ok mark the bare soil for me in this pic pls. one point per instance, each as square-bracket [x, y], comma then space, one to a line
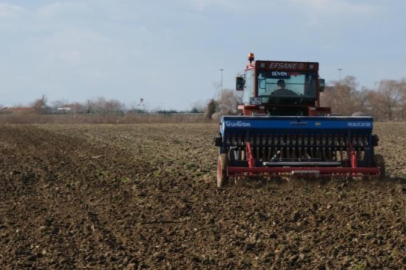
[143, 196]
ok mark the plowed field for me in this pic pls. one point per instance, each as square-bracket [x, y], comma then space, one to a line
[143, 196]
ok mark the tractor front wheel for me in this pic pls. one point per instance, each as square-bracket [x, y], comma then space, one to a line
[222, 177]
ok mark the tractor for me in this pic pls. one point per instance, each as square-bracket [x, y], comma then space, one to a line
[282, 130]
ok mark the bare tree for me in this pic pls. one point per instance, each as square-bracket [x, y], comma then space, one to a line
[104, 106]
[402, 109]
[361, 99]
[39, 105]
[211, 108]
[343, 97]
[387, 100]
[228, 101]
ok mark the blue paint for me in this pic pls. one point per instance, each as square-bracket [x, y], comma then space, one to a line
[293, 125]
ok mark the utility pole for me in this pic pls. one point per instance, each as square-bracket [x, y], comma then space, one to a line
[221, 70]
[339, 74]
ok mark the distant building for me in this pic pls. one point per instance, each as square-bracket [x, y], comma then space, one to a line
[17, 110]
[70, 108]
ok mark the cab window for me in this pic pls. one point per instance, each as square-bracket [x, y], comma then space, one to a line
[249, 87]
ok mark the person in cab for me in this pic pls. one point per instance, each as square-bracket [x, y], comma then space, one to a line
[282, 91]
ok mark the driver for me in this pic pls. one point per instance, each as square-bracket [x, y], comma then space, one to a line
[281, 91]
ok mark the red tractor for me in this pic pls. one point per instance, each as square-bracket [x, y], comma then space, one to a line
[283, 130]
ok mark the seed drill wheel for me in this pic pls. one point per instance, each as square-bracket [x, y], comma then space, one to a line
[222, 178]
[380, 162]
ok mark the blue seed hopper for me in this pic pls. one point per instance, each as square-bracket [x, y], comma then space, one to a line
[290, 145]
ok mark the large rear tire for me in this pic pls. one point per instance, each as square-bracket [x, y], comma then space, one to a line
[222, 177]
[379, 161]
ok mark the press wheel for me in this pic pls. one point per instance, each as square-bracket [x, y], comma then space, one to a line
[222, 177]
[379, 161]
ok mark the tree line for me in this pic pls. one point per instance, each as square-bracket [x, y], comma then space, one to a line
[385, 102]
[96, 106]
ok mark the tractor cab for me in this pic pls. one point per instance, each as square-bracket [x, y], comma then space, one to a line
[281, 88]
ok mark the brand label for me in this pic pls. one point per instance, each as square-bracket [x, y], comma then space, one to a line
[287, 66]
[279, 74]
[359, 124]
[237, 124]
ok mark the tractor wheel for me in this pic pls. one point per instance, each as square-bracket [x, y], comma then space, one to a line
[222, 178]
[379, 161]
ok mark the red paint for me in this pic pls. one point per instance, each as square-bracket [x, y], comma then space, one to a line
[287, 66]
[324, 171]
[250, 157]
[353, 158]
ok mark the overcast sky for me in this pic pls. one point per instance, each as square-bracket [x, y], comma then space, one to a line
[169, 52]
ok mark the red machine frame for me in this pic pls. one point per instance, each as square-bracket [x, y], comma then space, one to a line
[352, 171]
